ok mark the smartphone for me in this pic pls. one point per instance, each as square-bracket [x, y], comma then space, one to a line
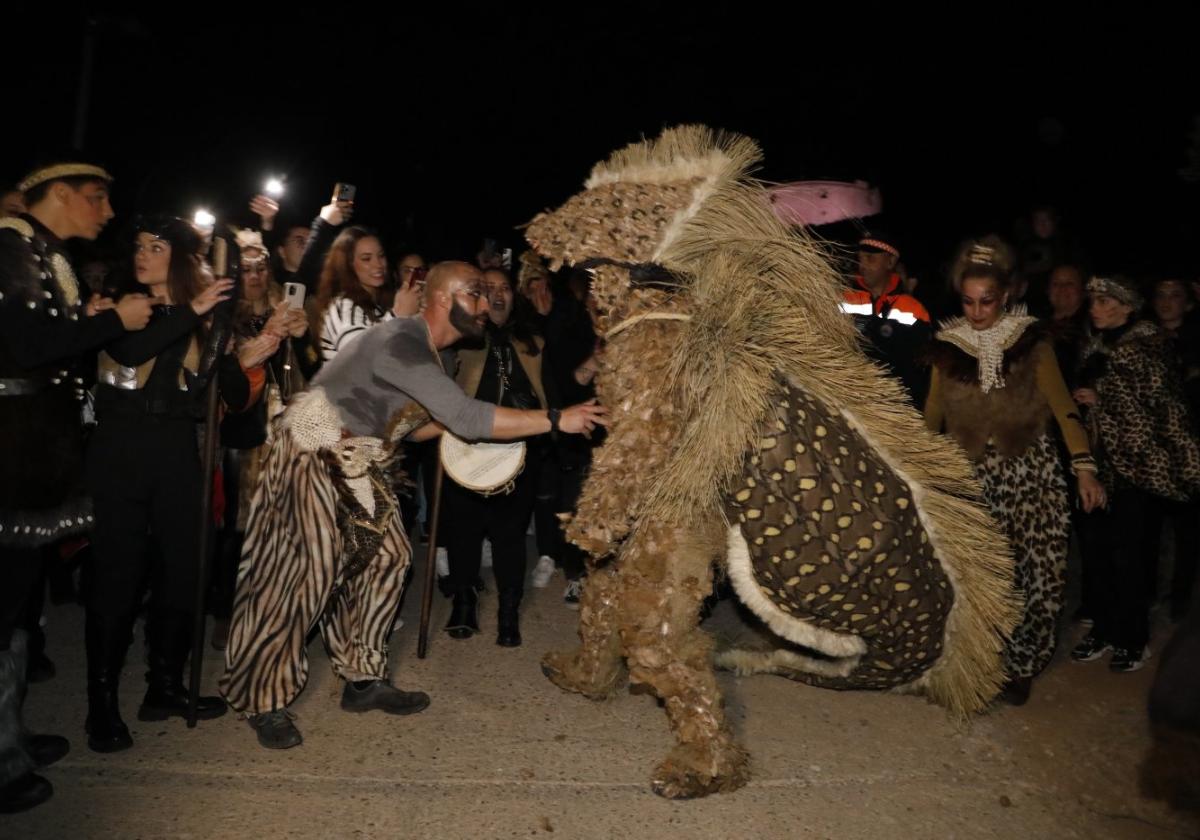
[293, 293]
[506, 259]
[344, 192]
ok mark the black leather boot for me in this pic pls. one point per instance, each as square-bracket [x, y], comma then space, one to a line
[508, 621]
[168, 641]
[464, 619]
[106, 640]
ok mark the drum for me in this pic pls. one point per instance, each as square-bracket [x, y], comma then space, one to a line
[487, 467]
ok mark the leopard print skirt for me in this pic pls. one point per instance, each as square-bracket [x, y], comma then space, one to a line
[1028, 496]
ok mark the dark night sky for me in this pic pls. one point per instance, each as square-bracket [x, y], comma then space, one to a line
[469, 124]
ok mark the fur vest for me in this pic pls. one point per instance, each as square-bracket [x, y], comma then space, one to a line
[1012, 417]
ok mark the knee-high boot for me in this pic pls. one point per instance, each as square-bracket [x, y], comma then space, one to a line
[168, 641]
[106, 639]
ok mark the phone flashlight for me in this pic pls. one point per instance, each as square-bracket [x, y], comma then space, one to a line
[274, 187]
[204, 219]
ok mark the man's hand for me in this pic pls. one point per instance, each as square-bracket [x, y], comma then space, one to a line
[1085, 396]
[96, 304]
[134, 311]
[266, 208]
[337, 213]
[581, 419]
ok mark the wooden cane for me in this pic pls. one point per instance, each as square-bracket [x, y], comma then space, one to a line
[430, 563]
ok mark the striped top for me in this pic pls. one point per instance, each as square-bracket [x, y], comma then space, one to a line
[344, 322]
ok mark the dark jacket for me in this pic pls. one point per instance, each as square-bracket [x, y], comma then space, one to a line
[46, 339]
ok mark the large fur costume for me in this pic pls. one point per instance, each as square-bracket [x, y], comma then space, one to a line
[749, 428]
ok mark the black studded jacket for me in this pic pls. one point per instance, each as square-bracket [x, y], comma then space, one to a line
[45, 335]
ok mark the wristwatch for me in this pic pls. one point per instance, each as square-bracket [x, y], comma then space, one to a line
[554, 414]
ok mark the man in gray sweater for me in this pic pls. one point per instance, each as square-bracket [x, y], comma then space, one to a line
[325, 545]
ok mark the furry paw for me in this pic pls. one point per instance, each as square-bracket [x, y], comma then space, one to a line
[570, 672]
[690, 771]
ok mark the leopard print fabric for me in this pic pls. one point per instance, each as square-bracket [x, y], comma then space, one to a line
[1141, 423]
[1028, 496]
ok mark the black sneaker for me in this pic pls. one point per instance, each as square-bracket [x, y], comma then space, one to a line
[378, 695]
[1090, 649]
[1125, 660]
[276, 730]
[573, 593]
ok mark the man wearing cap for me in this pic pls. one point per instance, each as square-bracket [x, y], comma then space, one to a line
[46, 327]
[894, 323]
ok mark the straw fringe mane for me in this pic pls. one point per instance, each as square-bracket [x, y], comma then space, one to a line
[764, 299]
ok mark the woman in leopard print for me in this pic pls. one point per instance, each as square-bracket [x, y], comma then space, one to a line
[1146, 449]
[995, 387]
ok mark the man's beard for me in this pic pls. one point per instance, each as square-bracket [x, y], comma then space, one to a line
[464, 322]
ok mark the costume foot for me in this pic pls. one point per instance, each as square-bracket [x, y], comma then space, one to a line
[691, 771]
[1016, 691]
[567, 671]
[382, 696]
[276, 730]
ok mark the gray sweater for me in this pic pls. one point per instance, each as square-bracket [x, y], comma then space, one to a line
[391, 365]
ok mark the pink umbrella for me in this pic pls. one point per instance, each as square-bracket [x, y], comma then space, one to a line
[823, 202]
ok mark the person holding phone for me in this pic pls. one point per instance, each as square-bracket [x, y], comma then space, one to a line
[143, 473]
[264, 306]
[355, 291]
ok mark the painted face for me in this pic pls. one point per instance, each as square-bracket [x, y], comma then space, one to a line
[499, 296]
[1065, 291]
[982, 302]
[370, 262]
[87, 208]
[151, 259]
[1171, 302]
[469, 307]
[1107, 312]
[254, 275]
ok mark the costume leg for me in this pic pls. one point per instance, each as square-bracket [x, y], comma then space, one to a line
[289, 563]
[357, 627]
[668, 576]
[595, 669]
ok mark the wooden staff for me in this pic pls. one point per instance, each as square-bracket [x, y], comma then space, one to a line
[430, 563]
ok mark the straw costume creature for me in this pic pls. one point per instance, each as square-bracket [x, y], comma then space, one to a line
[751, 434]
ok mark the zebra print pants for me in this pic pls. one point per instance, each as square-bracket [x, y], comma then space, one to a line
[290, 567]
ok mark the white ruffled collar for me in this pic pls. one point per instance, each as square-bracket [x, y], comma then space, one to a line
[988, 346]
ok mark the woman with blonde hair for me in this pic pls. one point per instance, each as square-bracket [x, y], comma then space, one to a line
[995, 389]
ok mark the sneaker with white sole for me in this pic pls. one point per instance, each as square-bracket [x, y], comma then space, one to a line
[542, 572]
[1126, 660]
[572, 594]
[1090, 649]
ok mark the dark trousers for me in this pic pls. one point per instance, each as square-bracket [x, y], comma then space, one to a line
[1113, 554]
[144, 478]
[570, 485]
[545, 508]
[1184, 518]
[21, 572]
[468, 517]
[223, 583]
